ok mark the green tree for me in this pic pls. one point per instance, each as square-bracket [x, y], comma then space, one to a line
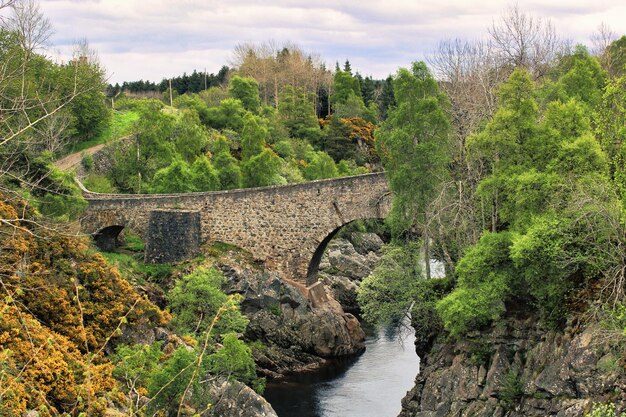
[414, 145]
[252, 137]
[344, 86]
[190, 137]
[176, 178]
[91, 115]
[297, 112]
[204, 175]
[195, 301]
[246, 90]
[195, 103]
[233, 360]
[485, 277]
[228, 115]
[385, 296]
[322, 166]
[262, 170]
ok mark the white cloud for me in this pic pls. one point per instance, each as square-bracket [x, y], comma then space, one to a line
[160, 38]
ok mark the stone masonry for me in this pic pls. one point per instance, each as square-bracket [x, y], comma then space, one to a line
[285, 227]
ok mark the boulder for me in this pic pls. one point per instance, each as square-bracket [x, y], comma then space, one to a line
[234, 399]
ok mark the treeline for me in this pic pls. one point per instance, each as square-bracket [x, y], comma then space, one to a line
[192, 83]
[273, 67]
[509, 169]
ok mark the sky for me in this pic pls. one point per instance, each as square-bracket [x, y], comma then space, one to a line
[156, 39]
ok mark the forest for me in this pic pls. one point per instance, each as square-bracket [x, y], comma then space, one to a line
[505, 156]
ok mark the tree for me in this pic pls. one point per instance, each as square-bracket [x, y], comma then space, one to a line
[321, 167]
[246, 90]
[413, 144]
[195, 301]
[176, 178]
[297, 112]
[204, 175]
[523, 41]
[262, 170]
[91, 115]
[252, 137]
[190, 138]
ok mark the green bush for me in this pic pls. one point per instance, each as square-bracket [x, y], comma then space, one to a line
[485, 278]
[387, 293]
[512, 389]
[196, 299]
[602, 410]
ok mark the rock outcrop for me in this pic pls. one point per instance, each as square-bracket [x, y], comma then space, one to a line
[234, 399]
[517, 370]
[345, 263]
[294, 336]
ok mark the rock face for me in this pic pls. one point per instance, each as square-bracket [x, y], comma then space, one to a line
[517, 371]
[234, 399]
[294, 335]
[345, 263]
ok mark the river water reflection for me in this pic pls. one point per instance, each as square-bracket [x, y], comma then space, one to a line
[371, 385]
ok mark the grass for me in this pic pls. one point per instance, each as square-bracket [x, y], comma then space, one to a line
[130, 266]
[121, 125]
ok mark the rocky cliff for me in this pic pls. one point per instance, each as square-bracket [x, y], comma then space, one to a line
[518, 369]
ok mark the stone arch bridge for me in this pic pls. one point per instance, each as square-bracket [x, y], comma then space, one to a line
[285, 227]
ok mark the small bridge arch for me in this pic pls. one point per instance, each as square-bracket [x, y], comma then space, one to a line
[286, 227]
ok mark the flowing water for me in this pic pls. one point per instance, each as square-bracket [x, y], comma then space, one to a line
[370, 385]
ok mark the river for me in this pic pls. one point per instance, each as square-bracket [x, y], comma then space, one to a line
[370, 385]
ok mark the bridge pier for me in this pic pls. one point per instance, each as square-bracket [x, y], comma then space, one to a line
[173, 235]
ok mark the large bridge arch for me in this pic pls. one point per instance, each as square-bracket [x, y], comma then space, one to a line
[282, 226]
[320, 248]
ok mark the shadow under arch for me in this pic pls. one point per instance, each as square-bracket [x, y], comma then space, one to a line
[106, 239]
[311, 275]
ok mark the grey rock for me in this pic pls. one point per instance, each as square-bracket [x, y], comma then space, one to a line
[234, 399]
[364, 243]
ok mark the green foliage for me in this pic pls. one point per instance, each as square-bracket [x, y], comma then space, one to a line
[61, 198]
[176, 178]
[322, 166]
[296, 110]
[246, 90]
[512, 389]
[345, 88]
[195, 301]
[99, 184]
[233, 360]
[582, 79]
[610, 121]
[134, 364]
[387, 293]
[204, 175]
[413, 144]
[91, 115]
[262, 170]
[252, 137]
[86, 161]
[168, 382]
[602, 410]
[190, 138]
[230, 176]
[194, 103]
[228, 115]
[485, 277]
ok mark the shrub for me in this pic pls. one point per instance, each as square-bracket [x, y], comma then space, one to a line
[485, 277]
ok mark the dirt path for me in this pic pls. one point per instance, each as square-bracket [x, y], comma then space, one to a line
[70, 161]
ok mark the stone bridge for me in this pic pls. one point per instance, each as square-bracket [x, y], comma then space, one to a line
[285, 227]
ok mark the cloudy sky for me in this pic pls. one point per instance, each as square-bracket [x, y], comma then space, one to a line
[154, 39]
